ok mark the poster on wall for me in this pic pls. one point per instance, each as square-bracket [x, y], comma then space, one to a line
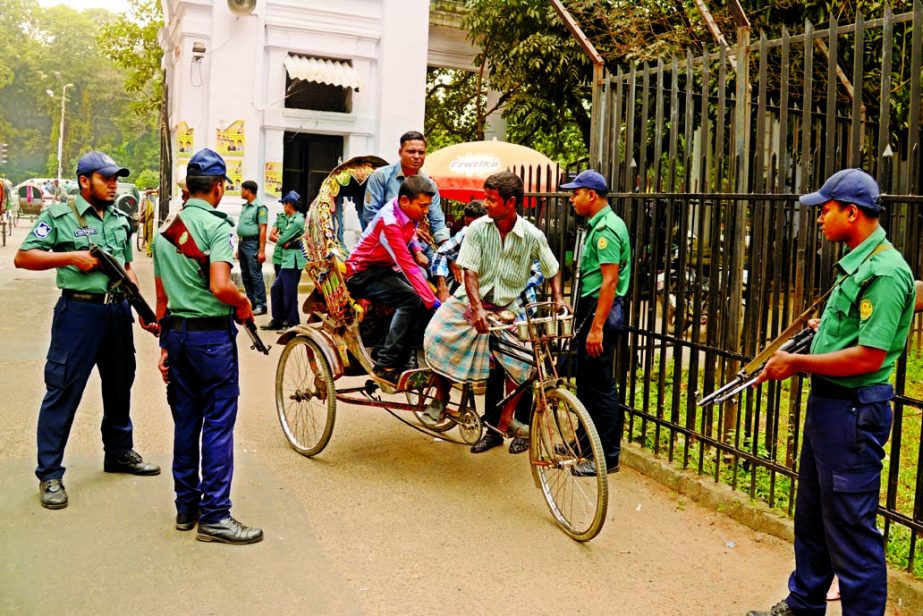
[272, 180]
[184, 141]
[231, 140]
[236, 173]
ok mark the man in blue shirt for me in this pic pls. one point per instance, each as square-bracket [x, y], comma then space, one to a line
[384, 183]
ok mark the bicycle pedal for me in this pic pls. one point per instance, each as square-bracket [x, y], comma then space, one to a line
[371, 387]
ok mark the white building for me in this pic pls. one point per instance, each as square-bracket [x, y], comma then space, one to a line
[311, 82]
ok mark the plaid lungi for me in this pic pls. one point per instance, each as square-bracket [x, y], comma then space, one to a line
[458, 352]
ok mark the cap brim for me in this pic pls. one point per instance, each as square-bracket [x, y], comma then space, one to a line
[227, 179]
[120, 172]
[571, 186]
[814, 198]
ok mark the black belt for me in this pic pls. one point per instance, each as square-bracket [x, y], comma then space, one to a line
[826, 389]
[245, 239]
[92, 298]
[199, 324]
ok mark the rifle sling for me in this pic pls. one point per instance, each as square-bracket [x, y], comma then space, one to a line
[763, 356]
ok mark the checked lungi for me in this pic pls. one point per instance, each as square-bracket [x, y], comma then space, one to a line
[458, 352]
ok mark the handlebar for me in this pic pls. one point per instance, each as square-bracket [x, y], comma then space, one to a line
[506, 319]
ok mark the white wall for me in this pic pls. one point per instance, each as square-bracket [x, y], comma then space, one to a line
[242, 77]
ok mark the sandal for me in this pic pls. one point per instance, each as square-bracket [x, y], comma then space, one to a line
[517, 429]
[433, 414]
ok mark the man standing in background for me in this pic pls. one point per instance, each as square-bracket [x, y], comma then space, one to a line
[251, 248]
[384, 183]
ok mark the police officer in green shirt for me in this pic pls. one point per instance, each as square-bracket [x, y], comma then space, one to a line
[198, 304]
[251, 247]
[605, 269]
[284, 290]
[91, 327]
[278, 226]
[862, 332]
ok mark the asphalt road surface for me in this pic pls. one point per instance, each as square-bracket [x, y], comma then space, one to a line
[385, 521]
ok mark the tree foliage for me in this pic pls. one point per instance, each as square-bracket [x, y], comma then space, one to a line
[545, 78]
[44, 49]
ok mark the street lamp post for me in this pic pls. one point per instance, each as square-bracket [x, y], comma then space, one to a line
[61, 128]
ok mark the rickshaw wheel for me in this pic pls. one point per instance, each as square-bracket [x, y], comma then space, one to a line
[305, 396]
[563, 436]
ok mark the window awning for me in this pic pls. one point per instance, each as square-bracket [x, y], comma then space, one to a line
[320, 70]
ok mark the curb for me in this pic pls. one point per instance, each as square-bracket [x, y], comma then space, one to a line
[905, 592]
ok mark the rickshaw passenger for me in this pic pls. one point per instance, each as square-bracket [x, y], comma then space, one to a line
[382, 269]
[496, 256]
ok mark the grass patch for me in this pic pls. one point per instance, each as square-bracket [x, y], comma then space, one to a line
[766, 425]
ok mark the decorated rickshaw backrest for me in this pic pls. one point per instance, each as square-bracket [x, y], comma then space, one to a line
[325, 255]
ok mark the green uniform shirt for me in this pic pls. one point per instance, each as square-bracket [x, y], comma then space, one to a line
[292, 258]
[58, 230]
[606, 242]
[252, 215]
[280, 224]
[504, 266]
[183, 280]
[872, 306]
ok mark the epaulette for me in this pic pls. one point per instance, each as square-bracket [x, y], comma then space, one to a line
[58, 210]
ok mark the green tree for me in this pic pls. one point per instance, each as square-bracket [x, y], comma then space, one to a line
[130, 41]
[542, 74]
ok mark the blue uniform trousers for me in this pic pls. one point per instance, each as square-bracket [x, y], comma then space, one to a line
[284, 292]
[202, 393]
[596, 386]
[84, 335]
[385, 286]
[251, 271]
[837, 502]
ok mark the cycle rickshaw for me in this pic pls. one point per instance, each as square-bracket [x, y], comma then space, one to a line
[335, 343]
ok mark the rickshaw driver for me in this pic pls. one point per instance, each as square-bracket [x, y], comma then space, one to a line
[381, 269]
[496, 257]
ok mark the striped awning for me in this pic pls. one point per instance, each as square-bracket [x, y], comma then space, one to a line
[320, 70]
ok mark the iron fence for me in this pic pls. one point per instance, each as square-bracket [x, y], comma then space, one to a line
[706, 157]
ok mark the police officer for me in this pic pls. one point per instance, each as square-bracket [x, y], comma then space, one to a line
[251, 249]
[605, 269]
[91, 327]
[278, 226]
[284, 290]
[861, 334]
[199, 353]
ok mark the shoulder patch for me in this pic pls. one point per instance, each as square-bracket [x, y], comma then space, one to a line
[865, 309]
[602, 243]
[41, 230]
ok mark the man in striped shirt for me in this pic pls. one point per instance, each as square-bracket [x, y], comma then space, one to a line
[496, 257]
[382, 269]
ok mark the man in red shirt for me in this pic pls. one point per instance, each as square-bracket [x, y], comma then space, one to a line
[382, 269]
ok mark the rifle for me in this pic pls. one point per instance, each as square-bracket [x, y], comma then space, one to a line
[795, 339]
[120, 283]
[174, 230]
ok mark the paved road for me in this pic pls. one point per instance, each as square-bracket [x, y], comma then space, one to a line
[385, 521]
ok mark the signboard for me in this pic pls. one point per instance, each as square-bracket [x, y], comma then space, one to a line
[272, 180]
[236, 173]
[185, 141]
[231, 141]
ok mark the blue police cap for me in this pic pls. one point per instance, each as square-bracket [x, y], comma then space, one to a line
[206, 163]
[848, 186]
[100, 163]
[588, 179]
[291, 197]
